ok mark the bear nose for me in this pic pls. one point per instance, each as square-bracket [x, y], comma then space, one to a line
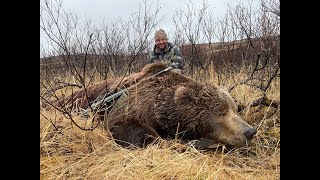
[250, 133]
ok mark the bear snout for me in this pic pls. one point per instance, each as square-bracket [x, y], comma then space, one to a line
[250, 133]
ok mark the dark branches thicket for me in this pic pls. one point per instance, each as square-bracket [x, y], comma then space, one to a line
[76, 53]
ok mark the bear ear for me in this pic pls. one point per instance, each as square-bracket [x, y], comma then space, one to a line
[182, 94]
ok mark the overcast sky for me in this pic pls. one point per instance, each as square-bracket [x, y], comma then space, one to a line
[123, 8]
[108, 10]
[99, 9]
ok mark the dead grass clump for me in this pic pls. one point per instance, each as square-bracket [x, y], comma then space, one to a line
[70, 153]
[66, 152]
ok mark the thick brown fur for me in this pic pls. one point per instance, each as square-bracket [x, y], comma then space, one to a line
[79, 99]
[169, 105]
[173, 105]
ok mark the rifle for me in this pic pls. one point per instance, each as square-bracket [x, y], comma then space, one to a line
[117, 94]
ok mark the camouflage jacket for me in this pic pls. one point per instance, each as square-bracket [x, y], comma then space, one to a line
[171, 55]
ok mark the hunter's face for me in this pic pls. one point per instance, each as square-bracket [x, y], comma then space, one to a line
[161, 43]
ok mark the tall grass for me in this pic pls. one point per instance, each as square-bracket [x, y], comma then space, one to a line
[66, 152]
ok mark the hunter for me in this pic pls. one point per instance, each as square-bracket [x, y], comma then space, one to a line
[166, 51]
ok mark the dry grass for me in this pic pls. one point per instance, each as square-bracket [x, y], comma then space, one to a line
[70, 153]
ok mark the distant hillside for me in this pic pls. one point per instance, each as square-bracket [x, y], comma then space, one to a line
[219, 49]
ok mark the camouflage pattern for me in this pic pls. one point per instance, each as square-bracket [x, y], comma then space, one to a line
[171, 55]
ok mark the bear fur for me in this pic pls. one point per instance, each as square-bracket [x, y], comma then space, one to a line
[172, 105]
[82, 99]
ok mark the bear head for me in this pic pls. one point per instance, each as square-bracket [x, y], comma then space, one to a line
[214, 115]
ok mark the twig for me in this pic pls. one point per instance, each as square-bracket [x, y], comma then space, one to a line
[68, 116]
[51, 122]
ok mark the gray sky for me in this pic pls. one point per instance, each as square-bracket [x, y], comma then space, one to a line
[97, 10]
[108, 10]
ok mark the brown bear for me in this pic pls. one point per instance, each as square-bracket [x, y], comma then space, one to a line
[83, 98]
[172, 105]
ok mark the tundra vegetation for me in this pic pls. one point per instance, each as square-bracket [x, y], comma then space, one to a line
[239, 52]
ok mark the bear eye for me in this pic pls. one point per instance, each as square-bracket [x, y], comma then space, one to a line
[219, 107]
